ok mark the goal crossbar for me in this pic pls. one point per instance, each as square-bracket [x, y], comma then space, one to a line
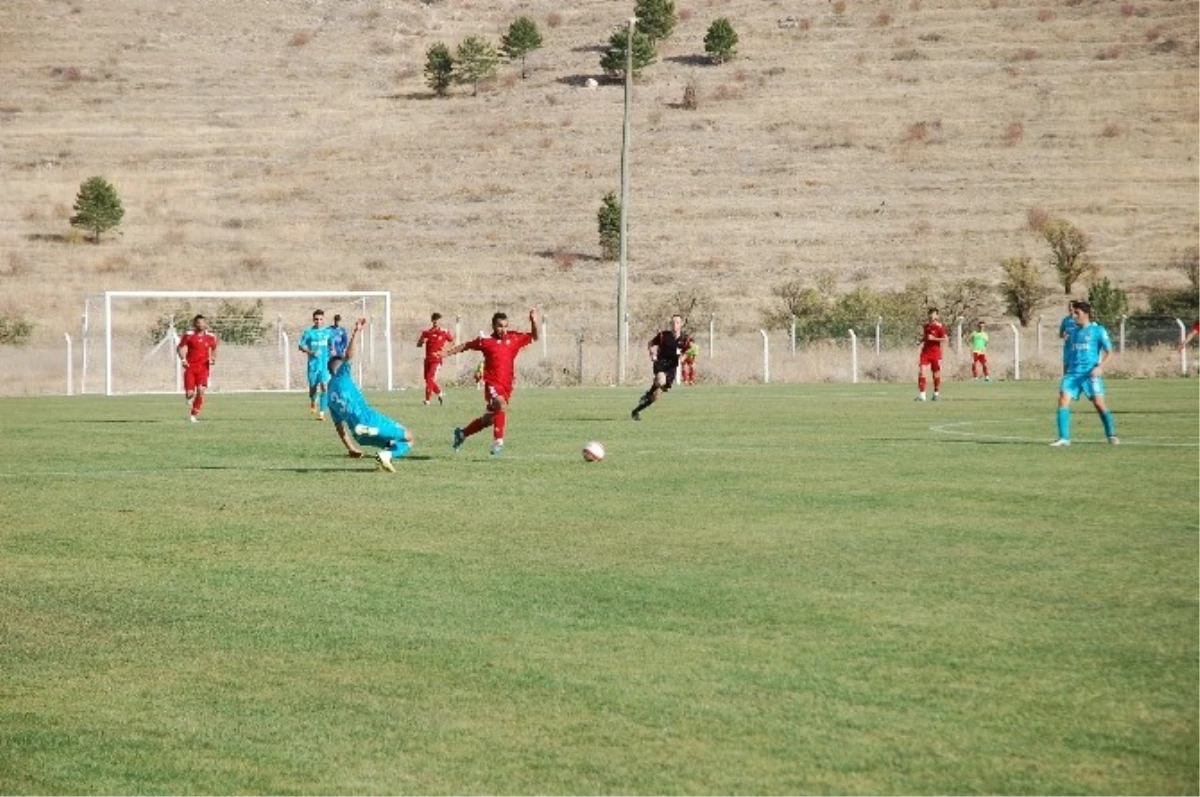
[386, 296]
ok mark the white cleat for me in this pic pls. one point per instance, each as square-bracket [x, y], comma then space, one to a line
[1114, 441]
[383, 461]
[920, 397]
[193, 419]
[497, 449]
[1060, 443]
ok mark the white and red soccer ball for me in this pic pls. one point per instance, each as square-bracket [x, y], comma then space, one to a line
[593, 451]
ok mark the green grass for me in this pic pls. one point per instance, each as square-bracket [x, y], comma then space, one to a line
[803, 589]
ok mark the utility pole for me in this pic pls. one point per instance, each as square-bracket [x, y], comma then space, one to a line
[623, 268]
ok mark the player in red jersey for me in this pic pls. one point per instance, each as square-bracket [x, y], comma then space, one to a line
[197, 352]
[434, 340]
[500, 350]
[932, 337]
[1193, 332]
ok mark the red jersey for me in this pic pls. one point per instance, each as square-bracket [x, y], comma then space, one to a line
[499, 355]
[434, 340]
[933, 329]
[201, 347]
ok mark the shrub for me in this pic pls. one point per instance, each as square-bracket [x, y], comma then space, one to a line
[1022, 289]
[14, 330]
[691, 96]
[720, 42]
[439, 69]
[609, 222]
[1014, 133]
[240, 324]
[1068, 252]
[475, 60]
[1108, 302]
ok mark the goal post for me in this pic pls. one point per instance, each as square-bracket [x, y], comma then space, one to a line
[258, 332]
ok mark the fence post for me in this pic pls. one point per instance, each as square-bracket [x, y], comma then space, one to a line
[958, 337]
[793, 338]
[766, 357]
[457, 336]
[1016, 352]
[1039, 335]
[1183, 365]
[579, 355]
[854, 357]
[70, 366]
[878, 333]
[83, 346]
[712, 331]
[174, 359]
[542, 334]
[1121, 339]
[287, 361]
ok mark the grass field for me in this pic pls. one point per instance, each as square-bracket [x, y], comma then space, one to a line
[804, 589]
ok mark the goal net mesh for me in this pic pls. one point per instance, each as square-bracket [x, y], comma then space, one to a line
[258, 339]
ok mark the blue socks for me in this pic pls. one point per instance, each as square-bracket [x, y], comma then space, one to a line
[1110, 428]
[1064, 423]
[400, 448]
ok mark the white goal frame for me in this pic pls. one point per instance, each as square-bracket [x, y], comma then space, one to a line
[386, 296]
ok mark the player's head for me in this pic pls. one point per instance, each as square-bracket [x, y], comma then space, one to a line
[676, 323]
[499, 324]
[1081, 310]
[933, 314]
[318, 317]
[337, 319]
[199, 323]
[979, 326]
[435, 318]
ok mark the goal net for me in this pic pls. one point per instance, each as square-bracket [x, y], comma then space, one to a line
[259, 332]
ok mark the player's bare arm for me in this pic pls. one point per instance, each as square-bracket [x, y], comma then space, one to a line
[352, 346]
[534, 329]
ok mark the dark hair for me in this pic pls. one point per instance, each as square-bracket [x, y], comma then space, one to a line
[435, 317]
[1085, 307]
[317, 313]
[336, 318]
[199, 317]
[932, 310]
[499, 317]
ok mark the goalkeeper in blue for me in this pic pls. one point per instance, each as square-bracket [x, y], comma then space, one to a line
[1088, 349]
[355, 420]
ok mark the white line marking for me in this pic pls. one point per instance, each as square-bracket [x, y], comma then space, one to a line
[951, 429]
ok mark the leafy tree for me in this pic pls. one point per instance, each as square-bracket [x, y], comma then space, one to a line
[475, 60]
[14, 330]
[656, 18]
[721, 41]
[1108, 302]
[97, 207]
[609, 221]
[439, 69]
[613, 60]
[239, 324]
[177, 319]
[967, 298]
[1068, 248]
[1180, 303]
[522, 38]
[1022, 288]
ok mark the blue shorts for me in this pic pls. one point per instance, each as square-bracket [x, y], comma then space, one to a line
[1074, 384]
[380, 431]
[318, 372]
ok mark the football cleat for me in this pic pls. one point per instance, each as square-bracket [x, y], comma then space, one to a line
[383, 461]
[1060, 443]
[1114, 441]
[459, 437]
[193, 419]
[936, 396]
[497, 449]
[920, 397]
[635, 415]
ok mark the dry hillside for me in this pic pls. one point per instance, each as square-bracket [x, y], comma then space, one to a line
[292, 144]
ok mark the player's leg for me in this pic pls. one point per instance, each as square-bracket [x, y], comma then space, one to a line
[921, 380]
[323, 392]
[189, 391]
[987, 376]
[437, 389]
[394, 440]
[314, 379]
[1094, 390]
[499, 409]
[480, 423]
[1068, 391]
[935, 367]
[198, 401]
[352, 450]
[651, 395]
[429, 371]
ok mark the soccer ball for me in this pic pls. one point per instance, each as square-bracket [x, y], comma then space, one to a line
[593, 452]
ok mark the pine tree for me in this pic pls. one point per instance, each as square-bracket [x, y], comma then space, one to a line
[609, 222]
[613, 60]
[656, 18]
[439, 69]
[97, 207]
[475, 60]
[522, 38]
[721, 41]
[1108, 302]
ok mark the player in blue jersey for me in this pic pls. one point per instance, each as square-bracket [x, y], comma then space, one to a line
[316, 343]
[354, 418]
[339, 338]
[1089, 348]
[1065, 328]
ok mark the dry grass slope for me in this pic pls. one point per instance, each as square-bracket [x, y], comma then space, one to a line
[295, 145]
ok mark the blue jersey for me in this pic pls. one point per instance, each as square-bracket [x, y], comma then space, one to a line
[1065, 328]
[340, 340]
[346, 402]
[316, 340]
[1084, 347]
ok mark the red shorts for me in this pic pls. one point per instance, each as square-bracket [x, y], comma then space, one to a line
[931, 358]
[499, 391]
[978, 357]
[431, 369]
[195, 376]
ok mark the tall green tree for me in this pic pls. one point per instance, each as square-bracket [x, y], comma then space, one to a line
[613, 60]
[1068, 252]
[475, 60]
[523, 37]
[656, 18]
[609, 222]
[1022, 288]
[97, 207]
[439, 69]
[720, 43]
